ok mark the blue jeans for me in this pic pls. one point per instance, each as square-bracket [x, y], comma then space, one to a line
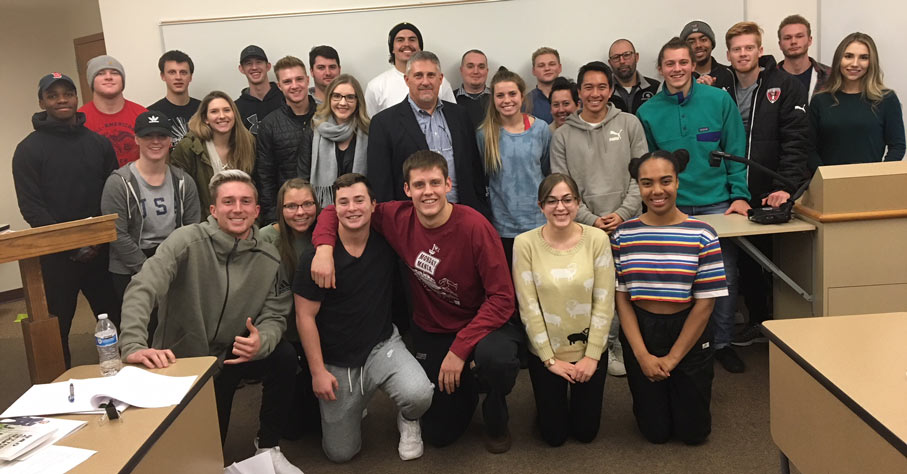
[726, 306]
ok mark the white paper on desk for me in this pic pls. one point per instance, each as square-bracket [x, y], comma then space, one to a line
[258, 464]
[64, 429]
[51, 459]
[131, 386]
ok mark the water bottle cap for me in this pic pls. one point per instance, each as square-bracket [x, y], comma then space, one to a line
[102, 316]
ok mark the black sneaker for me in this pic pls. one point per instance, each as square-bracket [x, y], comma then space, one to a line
[729, 360]
[748, 335]
[497, 444]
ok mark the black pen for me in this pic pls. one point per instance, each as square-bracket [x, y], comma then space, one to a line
[72, 393]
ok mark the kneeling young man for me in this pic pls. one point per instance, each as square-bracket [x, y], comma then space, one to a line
[462, 294]
[223, 299]
[351, 345]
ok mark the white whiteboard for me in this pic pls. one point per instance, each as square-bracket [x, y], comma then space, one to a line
[507, 31]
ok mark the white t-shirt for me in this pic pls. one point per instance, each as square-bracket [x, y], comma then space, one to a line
[388, 89]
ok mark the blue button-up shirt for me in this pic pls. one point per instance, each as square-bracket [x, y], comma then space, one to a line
[437, 135]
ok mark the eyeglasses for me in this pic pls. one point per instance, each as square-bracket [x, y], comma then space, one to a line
[335, 97]
[293, 207]
[552, 201]
[625, 56]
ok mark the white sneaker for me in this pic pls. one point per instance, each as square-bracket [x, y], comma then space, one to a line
[410, 446]
[616, 364]
[281, 464]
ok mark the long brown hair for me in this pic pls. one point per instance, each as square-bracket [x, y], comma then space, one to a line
[359, 120]
[242, 143]
[492, 124]
[288, 252]
[872, 87]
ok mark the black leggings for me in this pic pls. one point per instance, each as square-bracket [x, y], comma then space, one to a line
[678, 405]
[559, 417]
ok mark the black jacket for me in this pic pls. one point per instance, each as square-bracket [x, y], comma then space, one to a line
[59, 171]
[779, 129]
[395, 134]
[648, 87]
[281, 135]
[253, 111]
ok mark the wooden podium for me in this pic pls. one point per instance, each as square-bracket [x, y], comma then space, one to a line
[41, 330]
[855, 262]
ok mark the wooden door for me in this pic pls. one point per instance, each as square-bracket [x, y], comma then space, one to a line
[87, 47]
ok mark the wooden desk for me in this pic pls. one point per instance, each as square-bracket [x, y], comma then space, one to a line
[838, 388]
[735, 225]
[184, 438]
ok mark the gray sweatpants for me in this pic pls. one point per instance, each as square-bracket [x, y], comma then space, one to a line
[389, 367]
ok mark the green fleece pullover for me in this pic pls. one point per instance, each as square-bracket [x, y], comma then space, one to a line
[206, 283]
[706, 119]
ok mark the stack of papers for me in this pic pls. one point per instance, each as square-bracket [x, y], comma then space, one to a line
[130, 386]
[26, 445]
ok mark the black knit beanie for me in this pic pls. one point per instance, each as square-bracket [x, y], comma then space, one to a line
[393, 34]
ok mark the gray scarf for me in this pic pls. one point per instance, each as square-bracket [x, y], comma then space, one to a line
[324, 157]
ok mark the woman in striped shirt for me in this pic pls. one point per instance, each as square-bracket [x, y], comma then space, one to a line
[669, 272]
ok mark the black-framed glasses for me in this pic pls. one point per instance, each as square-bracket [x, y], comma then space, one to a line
[293, 207]
[626, 56]
[335, 97]
[552, 201]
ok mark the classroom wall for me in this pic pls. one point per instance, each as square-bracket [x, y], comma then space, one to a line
[38, 35]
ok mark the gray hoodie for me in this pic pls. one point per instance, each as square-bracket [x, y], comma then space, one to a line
[596, 157]
[122, 196]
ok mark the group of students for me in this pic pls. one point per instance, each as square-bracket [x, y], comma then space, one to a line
[512, 233]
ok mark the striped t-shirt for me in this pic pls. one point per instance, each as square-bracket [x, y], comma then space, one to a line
[674, 263]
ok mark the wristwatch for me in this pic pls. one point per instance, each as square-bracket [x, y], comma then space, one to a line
[550, 362]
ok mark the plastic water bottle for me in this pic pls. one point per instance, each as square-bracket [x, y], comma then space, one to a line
[105, 337]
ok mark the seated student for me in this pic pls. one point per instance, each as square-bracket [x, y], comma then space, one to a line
[216, 142]
[664, 314]
[340, 138]
[292, 236]
[564, 101]
[176, 71]
[351, 345]
[462, 300]
[237, 316]
[151, 200]
[564, 268]
[514, 147]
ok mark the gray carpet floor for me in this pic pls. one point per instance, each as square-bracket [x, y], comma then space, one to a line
[740, 441]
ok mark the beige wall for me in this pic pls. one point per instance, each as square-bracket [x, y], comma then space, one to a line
[38, 36]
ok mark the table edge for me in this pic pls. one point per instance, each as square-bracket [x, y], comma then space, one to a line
[850, 403]
[155, 435]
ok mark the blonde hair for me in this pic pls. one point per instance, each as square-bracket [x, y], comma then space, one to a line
[872, 88]
[492, 124]
[744, 28]
[359, 120]
[242, 143]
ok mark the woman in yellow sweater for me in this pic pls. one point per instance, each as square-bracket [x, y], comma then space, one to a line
[563, 274]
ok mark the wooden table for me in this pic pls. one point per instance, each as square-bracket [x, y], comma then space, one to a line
[184, 438]
[838, 388]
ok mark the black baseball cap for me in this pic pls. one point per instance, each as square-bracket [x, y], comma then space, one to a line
[50, 79]
[152, 122]
[252, 51]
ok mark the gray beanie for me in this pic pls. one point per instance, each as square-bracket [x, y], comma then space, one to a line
[698, 26]
[100, 63]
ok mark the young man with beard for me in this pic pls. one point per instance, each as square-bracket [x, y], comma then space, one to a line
[59, 172]
[223, 299]
[389, 88]
[463, 300]
[794, 38]
[176, 71]
[631, 89]
[283, 134]
[261, 97]
[348, 335]
[699, 35]
[325, 64]
[594, 147]
[109, 113]
[772, 105]
[474, 94]
[690, 115]
[546, 67]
